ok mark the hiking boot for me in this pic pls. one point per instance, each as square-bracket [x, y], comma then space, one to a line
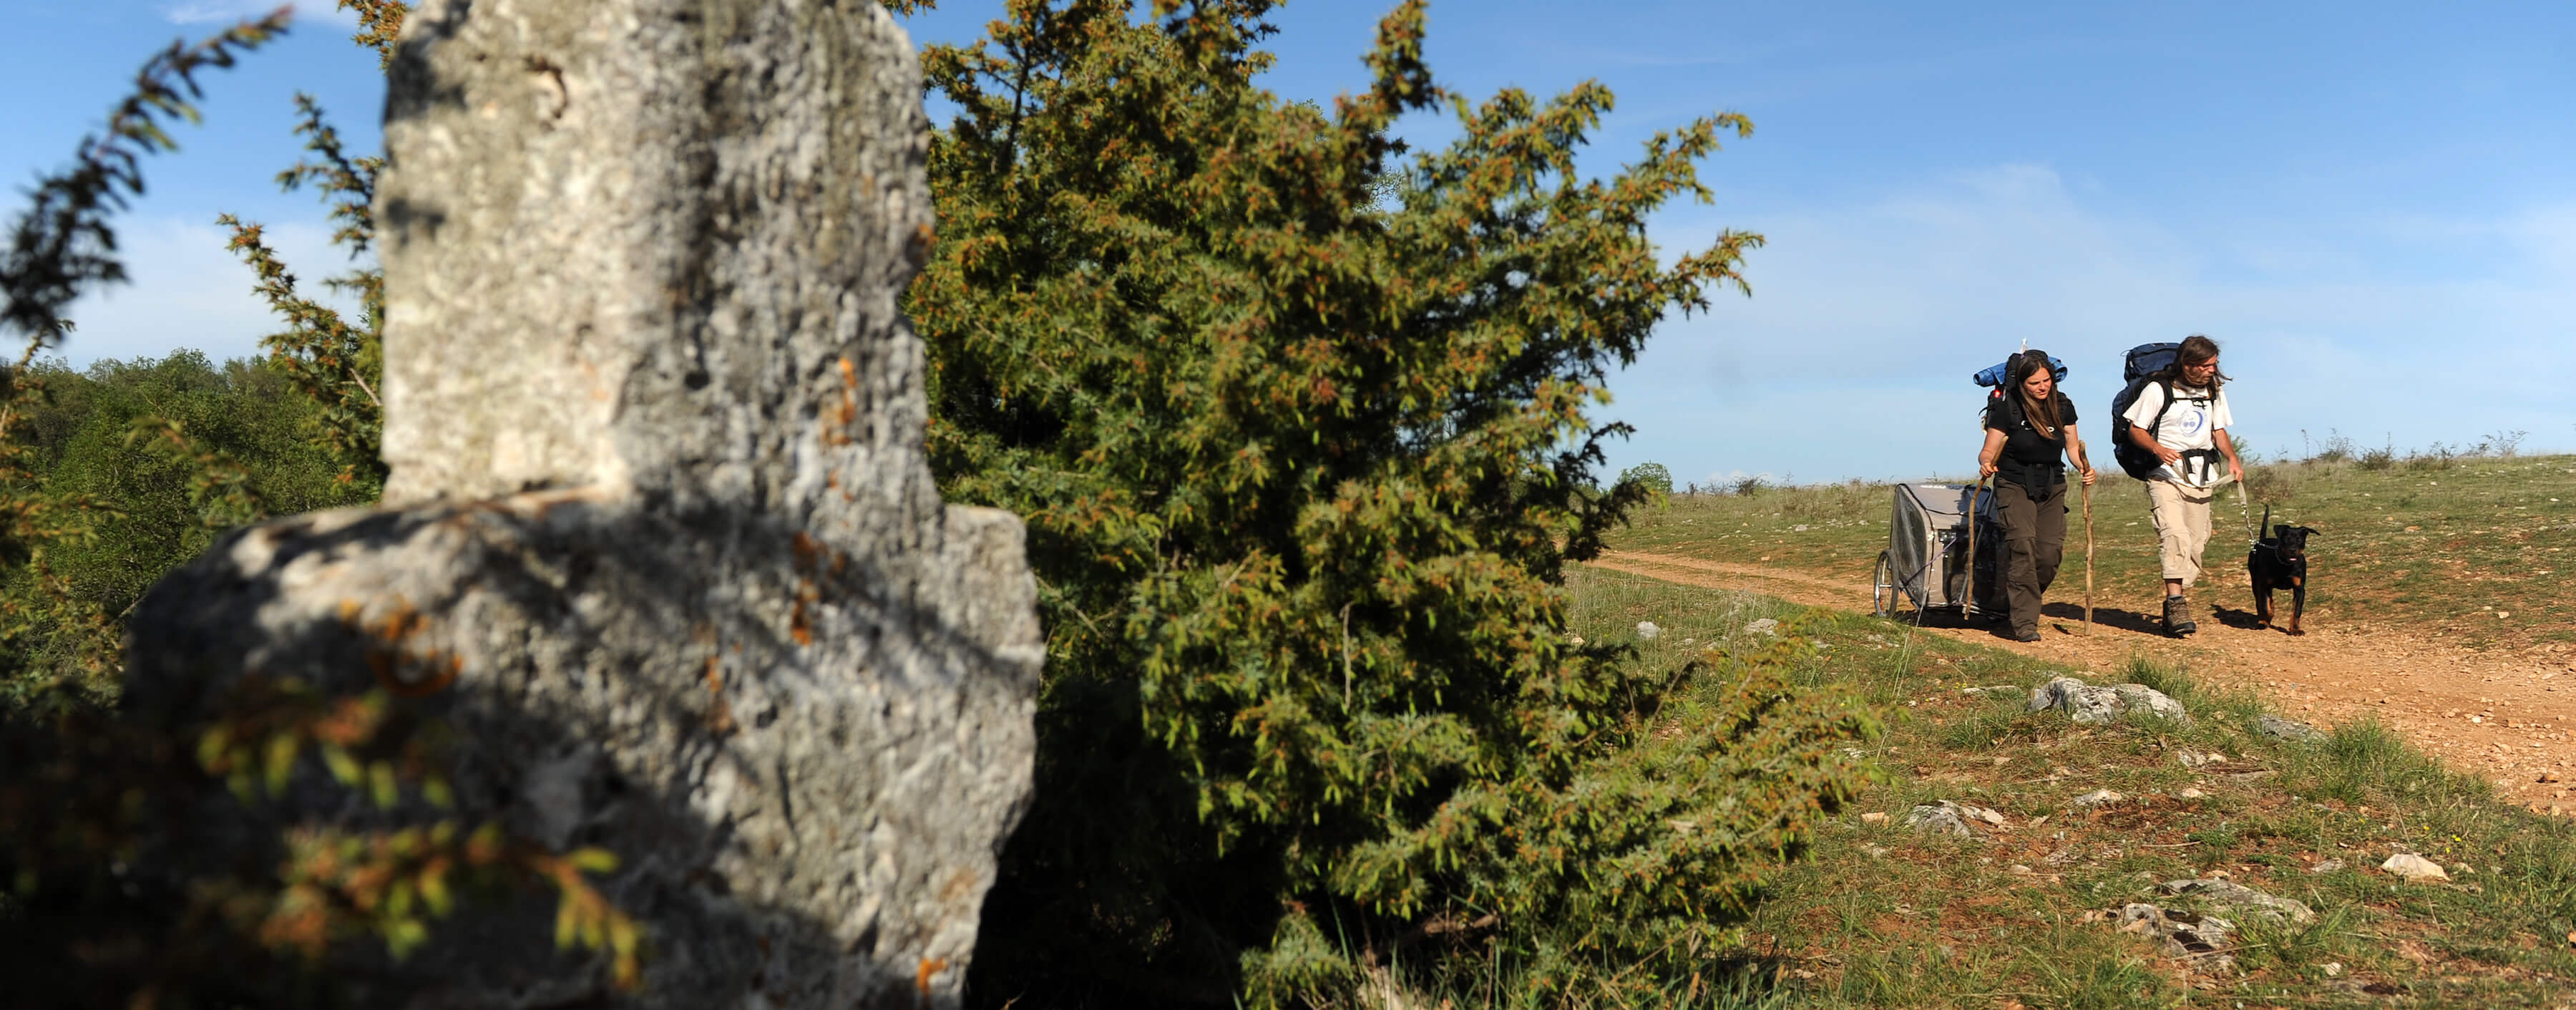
[2026, 636]
[2178, 620]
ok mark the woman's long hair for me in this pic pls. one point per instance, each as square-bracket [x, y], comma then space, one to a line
[2042, 415]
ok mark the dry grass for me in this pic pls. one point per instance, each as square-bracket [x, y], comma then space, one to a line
[1886, 916]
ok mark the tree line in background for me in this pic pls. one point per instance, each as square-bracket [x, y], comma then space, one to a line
[1298, 420]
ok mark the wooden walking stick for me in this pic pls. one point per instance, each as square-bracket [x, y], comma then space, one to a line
[2086, 462]
[1968, 606]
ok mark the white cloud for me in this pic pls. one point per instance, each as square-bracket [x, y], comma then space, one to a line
[186, 290]
[1853, 356]
[200, 12]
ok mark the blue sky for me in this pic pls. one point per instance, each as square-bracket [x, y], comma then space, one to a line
[2367, 204]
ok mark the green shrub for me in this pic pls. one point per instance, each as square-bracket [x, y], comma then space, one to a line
[1651, 476]
[1299, 432]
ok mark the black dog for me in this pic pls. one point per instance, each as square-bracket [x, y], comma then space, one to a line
[2280, 561]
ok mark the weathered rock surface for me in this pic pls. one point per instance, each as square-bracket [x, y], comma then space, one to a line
[2200, 939]
[661, 547]
[2244, 899]
[2085, 703]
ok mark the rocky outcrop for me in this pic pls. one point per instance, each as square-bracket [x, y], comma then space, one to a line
[661, 550]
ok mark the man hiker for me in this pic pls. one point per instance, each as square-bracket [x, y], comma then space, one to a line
[2182, 418]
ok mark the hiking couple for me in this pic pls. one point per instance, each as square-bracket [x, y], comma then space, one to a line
[2170, 431]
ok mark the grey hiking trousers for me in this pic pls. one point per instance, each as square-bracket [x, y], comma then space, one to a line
[2034, 543]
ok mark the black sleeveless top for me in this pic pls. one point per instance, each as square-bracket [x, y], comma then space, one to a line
[2029, 458]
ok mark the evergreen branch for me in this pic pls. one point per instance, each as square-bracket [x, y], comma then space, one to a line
[62, 245]
[379, 25]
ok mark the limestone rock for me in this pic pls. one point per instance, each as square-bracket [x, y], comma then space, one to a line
[2243, 898]
[1762, 626]
[2085, 703]
[2097, 798]
[1648, 630]
[2285, 729]
[1947, 817]
[661, 550]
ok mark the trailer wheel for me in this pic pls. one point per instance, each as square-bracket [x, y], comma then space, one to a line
[1882, 587]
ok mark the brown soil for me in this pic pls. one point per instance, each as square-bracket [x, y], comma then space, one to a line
[2500, 717]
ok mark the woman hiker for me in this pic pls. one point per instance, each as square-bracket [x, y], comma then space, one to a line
[2028, 426]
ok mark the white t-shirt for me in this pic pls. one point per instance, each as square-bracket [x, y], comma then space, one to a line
[2189, 428]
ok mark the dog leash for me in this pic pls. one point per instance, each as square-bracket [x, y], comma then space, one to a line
[2247, 509]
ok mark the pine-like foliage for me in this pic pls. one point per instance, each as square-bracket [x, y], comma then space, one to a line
[1299, 428]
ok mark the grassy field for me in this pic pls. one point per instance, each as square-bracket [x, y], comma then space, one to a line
[1884, 915]
[2464, 549]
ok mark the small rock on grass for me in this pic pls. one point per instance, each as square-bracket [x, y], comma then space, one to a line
[2329, 866]
[2190, 793]
[2414, 867]
[1648, 630]
[1762, 626]
[2285, 729]
[1874, 817]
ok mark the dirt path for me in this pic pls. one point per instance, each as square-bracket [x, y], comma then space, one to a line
[2501, 718]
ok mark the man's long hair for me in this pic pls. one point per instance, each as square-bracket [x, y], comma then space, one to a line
[2195, 349]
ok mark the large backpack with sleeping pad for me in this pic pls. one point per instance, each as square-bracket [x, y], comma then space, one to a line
[2143, 363]
[1994, 377]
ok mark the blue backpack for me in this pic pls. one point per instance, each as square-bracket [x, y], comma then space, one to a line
[2144, 362]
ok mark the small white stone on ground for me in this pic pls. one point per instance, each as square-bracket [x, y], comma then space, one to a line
[1648, 630]
[2414, 867]
[1762, 626]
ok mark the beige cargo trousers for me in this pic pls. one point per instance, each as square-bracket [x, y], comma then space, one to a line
[2182, 526]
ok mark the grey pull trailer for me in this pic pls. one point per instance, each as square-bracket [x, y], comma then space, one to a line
[1926, 560]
